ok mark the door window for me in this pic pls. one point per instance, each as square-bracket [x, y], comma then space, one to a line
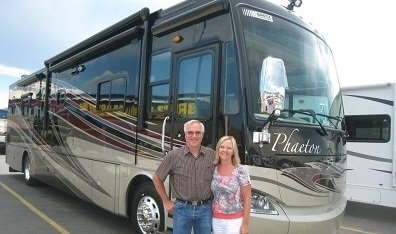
[195, 86]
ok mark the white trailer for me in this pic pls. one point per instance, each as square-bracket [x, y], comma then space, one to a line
[370, 114]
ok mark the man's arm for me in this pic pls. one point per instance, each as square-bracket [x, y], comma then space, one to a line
[159, 186]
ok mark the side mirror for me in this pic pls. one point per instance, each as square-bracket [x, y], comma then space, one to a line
[273, 83]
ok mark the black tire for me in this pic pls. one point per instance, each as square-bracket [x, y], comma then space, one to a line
[147, 210]
[10, 169]
[27, 164]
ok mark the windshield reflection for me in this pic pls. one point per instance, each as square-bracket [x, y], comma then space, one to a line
[311, 75]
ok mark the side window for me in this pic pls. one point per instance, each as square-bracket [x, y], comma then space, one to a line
[26, 104]
[195, 86]
[111, 94]
[159, 86]
[11, 109]
[104, 95]
[31, 108]
[60, 97]
[117, 94]
[42, 103]
[368, 128]
[22, 107]
[231, 84]
[132, 92]
[160, 67]
[88, 77]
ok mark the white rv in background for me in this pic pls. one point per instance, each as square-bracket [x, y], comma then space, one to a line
[3, 130]
[370, 114]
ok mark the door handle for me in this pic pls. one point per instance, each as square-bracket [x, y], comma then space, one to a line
[163, 134]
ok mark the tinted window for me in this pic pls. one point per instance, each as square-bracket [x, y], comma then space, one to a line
[117, 93]
[112, 94]
[194, 87]
[231, 85]
[159, 100]
[104, 95]
[60, 97]
[368, 128]
[132, 82]
[122, 62]
[25, 105]
[160, 67]
[159, 86]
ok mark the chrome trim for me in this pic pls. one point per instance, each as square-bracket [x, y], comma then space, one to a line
[163, 134]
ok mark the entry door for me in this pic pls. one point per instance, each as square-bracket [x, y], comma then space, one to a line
[195, 93]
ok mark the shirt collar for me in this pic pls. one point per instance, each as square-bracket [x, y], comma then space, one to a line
[201, 151]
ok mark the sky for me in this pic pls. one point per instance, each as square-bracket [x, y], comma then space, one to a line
[360, 33]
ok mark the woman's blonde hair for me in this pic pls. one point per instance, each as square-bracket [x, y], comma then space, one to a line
[235, 155]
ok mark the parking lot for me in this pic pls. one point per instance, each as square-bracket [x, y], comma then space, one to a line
[43, 209]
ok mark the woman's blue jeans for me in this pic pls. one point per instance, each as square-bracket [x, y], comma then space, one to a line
[186, 217]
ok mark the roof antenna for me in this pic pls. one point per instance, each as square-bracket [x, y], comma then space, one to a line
[294, 3]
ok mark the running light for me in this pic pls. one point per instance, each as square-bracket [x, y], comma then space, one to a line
[261, 204]
[177, 39]
[294, 3]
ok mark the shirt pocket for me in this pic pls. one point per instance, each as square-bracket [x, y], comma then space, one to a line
[181, 176]
[206, 172]
[205, 178]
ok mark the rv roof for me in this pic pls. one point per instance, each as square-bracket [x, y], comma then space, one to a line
[28, 79]
[103, 35]
[371, 86]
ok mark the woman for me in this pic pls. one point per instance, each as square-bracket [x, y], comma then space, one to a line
[231, 190]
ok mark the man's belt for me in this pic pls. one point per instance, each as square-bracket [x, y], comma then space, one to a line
[195, 203]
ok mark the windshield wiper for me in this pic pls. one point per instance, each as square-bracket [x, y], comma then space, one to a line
[273, 118]
[338, 118]
[308, 112]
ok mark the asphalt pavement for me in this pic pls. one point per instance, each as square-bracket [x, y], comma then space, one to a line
[43, 209]
[68, 212]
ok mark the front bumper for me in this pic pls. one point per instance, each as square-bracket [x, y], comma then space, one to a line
[300, 220]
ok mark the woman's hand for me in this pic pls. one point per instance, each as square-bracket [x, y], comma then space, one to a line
[244, 228]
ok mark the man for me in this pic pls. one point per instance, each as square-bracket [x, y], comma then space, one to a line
[190, 168]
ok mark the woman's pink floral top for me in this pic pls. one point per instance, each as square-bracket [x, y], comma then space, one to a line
[227, 201]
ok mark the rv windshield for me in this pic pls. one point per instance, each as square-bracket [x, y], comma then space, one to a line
[312, 83]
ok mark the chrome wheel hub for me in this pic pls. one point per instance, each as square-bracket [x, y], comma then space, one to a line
[148, 215]
[27, 169]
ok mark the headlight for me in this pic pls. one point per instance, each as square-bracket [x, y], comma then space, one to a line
[261, 204]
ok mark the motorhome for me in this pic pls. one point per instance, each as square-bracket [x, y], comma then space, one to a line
[371, 147]
[98, 119]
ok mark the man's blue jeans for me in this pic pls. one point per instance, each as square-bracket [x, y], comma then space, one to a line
[187, 216]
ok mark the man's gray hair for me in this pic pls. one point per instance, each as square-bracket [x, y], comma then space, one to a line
[193, 121]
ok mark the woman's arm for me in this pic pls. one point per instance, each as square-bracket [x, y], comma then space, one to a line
[246, 196]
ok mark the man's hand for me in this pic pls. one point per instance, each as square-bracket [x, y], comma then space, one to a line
[169, 206]
[159, 186]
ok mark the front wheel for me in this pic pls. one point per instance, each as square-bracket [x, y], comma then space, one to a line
[147, 211]
[27, 165]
